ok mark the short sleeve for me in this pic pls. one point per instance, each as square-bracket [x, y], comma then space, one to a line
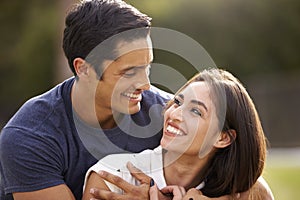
[29, 161]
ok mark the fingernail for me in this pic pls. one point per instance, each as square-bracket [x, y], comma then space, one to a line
[151, 182]
[130, 164]
[101, 173]
[92, 190]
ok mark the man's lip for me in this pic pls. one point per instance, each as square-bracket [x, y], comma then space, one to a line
[133, 96]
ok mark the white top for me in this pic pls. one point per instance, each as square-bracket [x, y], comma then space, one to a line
[149, 161]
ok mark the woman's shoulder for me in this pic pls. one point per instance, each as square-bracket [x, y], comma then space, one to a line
[117, 162]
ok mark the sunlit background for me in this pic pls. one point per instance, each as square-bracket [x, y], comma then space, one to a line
[258, 41]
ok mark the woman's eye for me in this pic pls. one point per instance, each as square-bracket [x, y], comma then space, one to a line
[177, 102]
[196, 111]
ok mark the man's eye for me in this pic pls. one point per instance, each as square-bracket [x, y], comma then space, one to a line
[130, 73]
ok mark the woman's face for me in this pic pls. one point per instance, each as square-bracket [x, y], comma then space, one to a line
[190, 123]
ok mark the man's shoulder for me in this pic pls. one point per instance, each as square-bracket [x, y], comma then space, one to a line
[39, 108]
[158, 93]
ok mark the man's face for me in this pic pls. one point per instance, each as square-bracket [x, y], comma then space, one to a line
[124, 79]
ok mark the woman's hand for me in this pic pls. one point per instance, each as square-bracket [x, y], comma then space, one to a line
[170, 192]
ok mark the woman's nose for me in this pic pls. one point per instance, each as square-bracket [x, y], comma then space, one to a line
[176, 113]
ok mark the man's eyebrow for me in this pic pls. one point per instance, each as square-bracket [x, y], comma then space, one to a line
[200, 103]
[130, 68]
[136, 67]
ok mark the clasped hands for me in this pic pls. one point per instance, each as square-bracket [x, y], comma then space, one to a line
[146, 190]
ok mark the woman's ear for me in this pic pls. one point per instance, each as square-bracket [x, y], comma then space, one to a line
[225, 138]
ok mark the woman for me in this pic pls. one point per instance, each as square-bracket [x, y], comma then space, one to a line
[212, 140]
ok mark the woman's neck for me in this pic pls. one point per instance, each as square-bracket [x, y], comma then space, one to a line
[185, 170]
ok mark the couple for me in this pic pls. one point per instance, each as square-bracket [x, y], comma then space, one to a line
[212, 141]
[54, 138]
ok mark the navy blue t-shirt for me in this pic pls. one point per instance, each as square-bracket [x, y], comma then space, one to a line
[46, 144]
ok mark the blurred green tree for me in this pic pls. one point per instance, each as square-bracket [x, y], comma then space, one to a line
[27, 51]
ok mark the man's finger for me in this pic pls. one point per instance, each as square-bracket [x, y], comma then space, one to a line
[104, 194]
[138, 174]
[116, 180]
[156, 194]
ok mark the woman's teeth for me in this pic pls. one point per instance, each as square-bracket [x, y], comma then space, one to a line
[131, 95]
[174, 130]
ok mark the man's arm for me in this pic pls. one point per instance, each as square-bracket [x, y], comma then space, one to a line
[259, 191]
[53, 193]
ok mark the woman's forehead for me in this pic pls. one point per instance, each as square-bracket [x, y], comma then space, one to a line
[196, 90]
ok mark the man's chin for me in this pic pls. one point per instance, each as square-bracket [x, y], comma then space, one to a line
[134, 109]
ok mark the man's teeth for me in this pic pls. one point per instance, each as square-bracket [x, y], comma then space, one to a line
[131, 95]
[173, 130]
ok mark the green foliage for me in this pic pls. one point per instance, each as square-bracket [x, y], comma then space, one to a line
[27, 51]
[284, 181]
[247, 37]
[258, 41]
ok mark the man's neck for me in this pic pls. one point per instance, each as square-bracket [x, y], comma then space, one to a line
[84, 106]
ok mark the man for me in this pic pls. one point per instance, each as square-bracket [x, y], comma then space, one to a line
[48, 145]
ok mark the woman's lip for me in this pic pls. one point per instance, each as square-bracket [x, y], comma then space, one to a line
[173, 124]
[171, 132]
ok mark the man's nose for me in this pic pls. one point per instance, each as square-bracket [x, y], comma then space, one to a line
[143, 81]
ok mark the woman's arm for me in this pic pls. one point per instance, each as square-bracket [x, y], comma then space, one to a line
[93, 181]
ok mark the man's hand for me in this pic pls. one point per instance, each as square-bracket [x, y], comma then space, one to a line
[132, 192]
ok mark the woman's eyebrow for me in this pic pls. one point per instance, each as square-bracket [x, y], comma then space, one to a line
[181, 96]
[200, 103]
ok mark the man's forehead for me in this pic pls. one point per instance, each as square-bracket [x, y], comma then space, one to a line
[123, 47]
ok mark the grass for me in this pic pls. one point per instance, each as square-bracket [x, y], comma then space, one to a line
[284, 182]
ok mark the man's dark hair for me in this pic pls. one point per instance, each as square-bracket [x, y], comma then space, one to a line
[91, 22]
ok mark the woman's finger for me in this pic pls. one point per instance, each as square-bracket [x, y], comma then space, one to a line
[176, 191]
[193, 194]
[153, 192]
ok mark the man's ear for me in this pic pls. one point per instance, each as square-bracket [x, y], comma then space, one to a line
[225, 138]
[81, 67]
